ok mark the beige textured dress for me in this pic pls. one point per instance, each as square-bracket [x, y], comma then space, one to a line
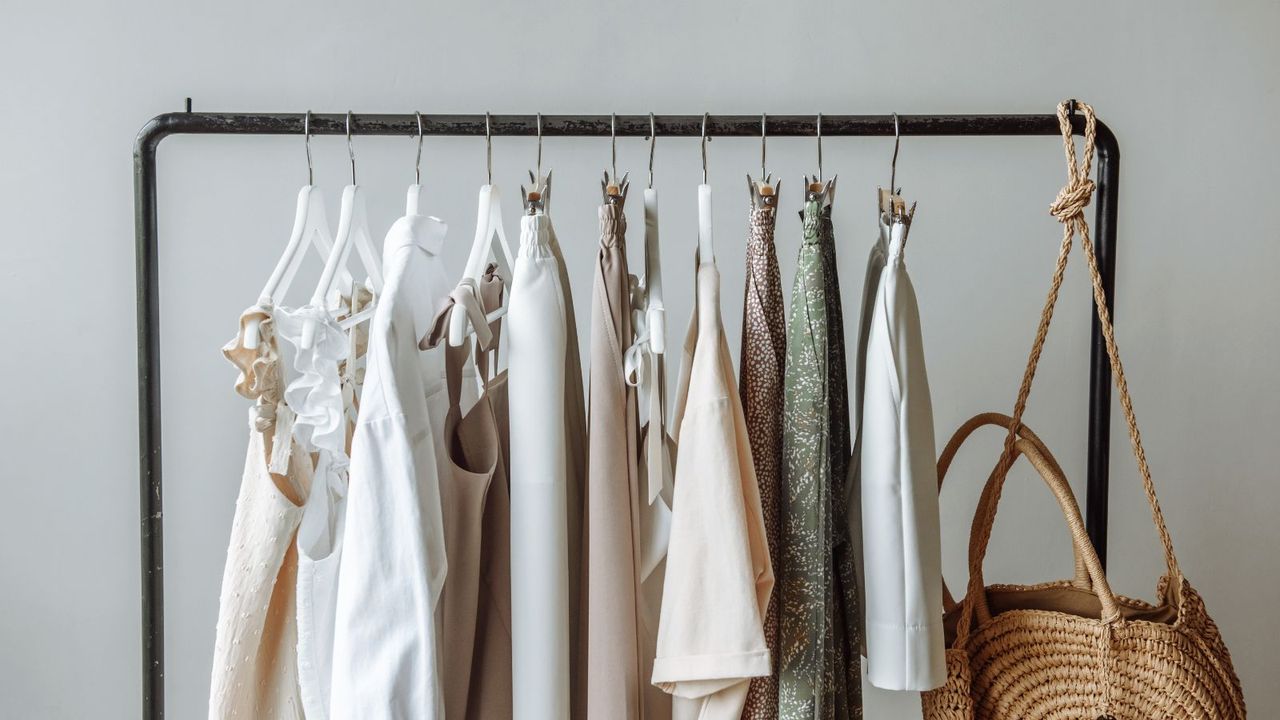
[610, 546]
[255, 667]
[475, 605]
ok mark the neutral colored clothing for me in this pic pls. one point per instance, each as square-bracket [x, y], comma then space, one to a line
[611, 544]
[901, 543]
[655, 463]
[575, 428]
[316, 398]
[819, 674]
[711, 635]
[254, 656]
[394, 562]
[536, 337]
[853, 489]
[475, 605]
[763, 362]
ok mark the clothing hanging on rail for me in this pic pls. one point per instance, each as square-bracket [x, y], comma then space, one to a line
[901, 536]
[613, 493]
[819, 673]
[394, 563]
[870, 285]
[762, 367]
[323, 398]
[537, 347]
[254, 659]
[575, 424]
[711, 643]
[655, 467]
[475, 605]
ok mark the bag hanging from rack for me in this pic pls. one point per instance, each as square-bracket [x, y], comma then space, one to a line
[1072, 649]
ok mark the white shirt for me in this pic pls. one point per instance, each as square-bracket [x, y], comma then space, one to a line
[393, 565]
[900, 533]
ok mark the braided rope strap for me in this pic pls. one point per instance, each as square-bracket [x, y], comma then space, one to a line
[1068, 208]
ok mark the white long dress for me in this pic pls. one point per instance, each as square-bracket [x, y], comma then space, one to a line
[536, 337]
[393, 563]
[900, 533]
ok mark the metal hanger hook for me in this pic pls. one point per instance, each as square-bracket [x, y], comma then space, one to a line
[705, 139]
[351, 153]
[306, 134]
[653, 143]
[417, 164]
[819, 134]
[539, 121]
[764, 136]
[893, 165]
[488, 147]
[613, 145]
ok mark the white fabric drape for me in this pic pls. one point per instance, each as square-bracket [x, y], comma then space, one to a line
[536, 343]
[394, 566]
[901, 538]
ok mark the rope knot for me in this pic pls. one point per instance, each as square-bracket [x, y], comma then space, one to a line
[1072, 200]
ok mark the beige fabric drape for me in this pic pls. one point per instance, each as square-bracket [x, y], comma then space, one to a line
[719, 578]
[610, 542]
[475, 605]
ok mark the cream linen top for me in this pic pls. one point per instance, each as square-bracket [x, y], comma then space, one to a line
[711, 633]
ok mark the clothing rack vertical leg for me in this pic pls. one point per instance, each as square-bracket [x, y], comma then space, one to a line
[151, 510]
[1104, 244]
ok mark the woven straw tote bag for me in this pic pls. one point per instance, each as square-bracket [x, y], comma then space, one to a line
[1072, 649]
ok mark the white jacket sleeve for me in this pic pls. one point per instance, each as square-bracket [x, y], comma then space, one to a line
[901, 543]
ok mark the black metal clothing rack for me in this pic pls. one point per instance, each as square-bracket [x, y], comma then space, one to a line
[192, 123]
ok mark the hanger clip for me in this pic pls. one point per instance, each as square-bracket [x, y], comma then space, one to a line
[764, 192]
[817, 190]
[538, 193]
[613, 190]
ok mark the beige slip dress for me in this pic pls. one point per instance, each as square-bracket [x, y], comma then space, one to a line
[475, 605]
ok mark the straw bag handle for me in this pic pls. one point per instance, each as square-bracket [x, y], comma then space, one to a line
[1068, 208]
[975, 602]
[1081, 578]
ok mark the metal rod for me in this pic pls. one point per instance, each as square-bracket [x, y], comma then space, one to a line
[747, 126]
[1104, 244]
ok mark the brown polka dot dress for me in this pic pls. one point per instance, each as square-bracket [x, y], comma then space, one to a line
[763, 358]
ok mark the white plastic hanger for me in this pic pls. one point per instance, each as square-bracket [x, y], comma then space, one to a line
[490, 242]
[706, 248]
[656, 310]
[310, 228]
[353, 229]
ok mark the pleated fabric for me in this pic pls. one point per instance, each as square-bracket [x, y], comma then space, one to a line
[762, 367]
[610, 544]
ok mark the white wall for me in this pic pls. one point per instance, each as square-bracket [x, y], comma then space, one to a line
[1190, 88]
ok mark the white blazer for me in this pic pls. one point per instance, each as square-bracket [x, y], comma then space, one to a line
[900, 534]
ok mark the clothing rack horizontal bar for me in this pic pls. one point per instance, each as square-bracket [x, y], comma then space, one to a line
[201, 123]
